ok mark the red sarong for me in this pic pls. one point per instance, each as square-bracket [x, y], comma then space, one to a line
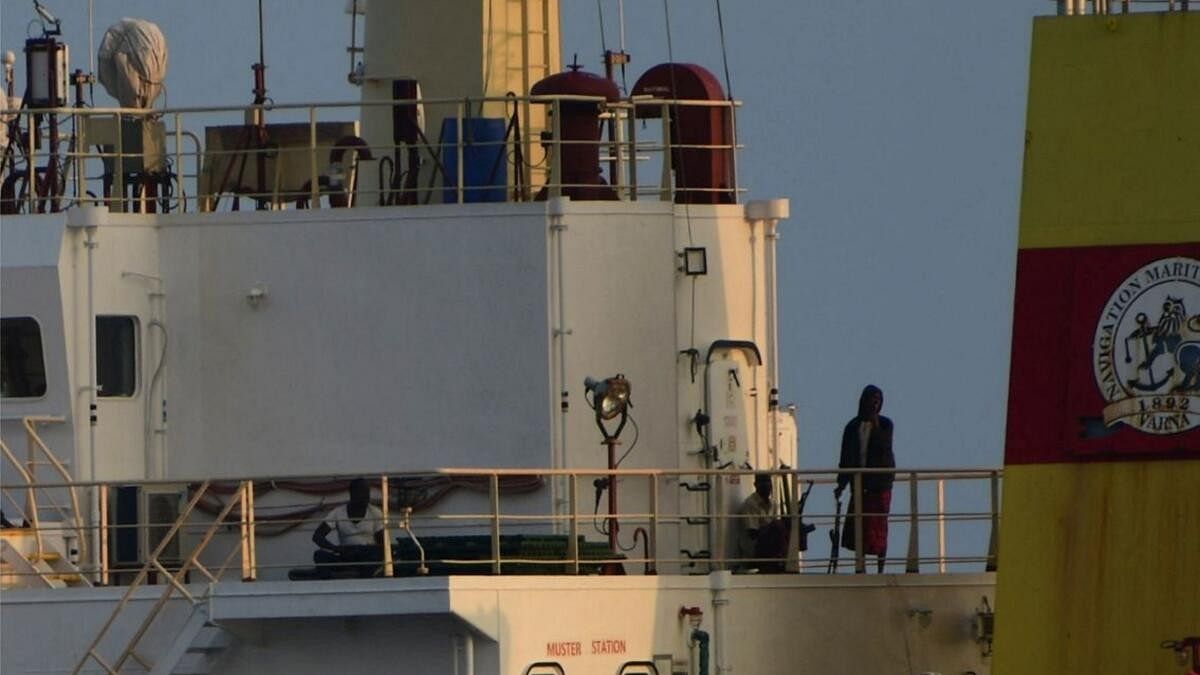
[876, 506]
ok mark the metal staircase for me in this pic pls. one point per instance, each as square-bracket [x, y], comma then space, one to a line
[196, 647]
[198, 639]
[26, 563]
[43, 553]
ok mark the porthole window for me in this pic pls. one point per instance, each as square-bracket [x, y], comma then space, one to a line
[22, 366]
[116, 355]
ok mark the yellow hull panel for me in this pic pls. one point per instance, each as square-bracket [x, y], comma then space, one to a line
[1112, 149]
[1099, 563]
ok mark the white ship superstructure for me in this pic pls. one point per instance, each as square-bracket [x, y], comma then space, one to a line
[214, 317]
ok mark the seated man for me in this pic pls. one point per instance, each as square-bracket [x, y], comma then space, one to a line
[359, 527]
[756, 515]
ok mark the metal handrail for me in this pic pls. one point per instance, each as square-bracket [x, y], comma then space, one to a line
[28, 472]
[930, 473]
[1077, 7]
[493, 522]
[175, 580]
[35, 439]
[79, 188]
[30, 498]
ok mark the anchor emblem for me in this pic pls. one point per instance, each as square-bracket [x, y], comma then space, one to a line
[1155, 341]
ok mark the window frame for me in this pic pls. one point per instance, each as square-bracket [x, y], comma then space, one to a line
[137, 358]
[42, 348]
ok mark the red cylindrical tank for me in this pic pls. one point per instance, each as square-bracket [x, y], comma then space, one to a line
[580, 130]
[703, 175]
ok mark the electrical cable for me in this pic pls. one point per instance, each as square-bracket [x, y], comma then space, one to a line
[681, 170]
[601, 484]
[487, 53]
[636, 433]
[425, 492]
[724, 54]
[692, 342]
[600, 11]
[621, 26]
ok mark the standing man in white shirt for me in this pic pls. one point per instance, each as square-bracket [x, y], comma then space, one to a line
[359, 527]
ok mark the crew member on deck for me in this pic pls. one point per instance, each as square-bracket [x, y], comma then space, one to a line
[359, 527]
[755, 516]
[867, 443]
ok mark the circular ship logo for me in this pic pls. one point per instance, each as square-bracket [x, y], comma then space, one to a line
[1146, 352]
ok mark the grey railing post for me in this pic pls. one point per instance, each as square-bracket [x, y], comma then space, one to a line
[941, 523]
[555, 179]
[573, 528]
[733, 149]
[631, 165]
[179, 162]
[717, 554]
[665, 183]
[384, 499]
[460, 171]
[993, 540]
[31, 171]
[102, 559]
[652, 564]
[860, 559]
[494, 492]
[913, 565]
[791, 510]
[119, 182]
[314, 188]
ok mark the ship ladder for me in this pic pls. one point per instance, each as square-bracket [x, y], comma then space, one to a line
[197, 620]
[38, 555]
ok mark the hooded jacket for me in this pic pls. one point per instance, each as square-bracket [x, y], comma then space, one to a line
[879, 447]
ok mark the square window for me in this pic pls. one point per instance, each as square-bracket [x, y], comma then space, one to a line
[116, 355]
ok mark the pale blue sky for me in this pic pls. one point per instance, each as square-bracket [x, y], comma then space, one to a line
[895, 128]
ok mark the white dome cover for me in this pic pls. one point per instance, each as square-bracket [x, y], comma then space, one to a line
[133, 62]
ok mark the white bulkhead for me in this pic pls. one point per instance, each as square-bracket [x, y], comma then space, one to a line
[392, 340]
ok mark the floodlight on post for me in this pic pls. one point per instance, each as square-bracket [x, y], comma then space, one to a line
[609, 400]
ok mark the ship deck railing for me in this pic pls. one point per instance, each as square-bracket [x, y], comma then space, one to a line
[1081, 7]
[313, 155]
[503, 526]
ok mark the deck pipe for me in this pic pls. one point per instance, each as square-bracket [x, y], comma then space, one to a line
[92, 387]
[700, 641]
[89, 218]
[770, 212]
[719, 583]
[556, 208]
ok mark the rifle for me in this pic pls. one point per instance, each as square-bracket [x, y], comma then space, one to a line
[835, 535]
[804, 499]
[804, 529]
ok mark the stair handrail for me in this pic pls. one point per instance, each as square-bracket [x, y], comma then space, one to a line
[175, 582]
[30, 497]
[35, 440]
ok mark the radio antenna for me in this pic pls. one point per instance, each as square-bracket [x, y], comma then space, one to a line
[47, 17]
